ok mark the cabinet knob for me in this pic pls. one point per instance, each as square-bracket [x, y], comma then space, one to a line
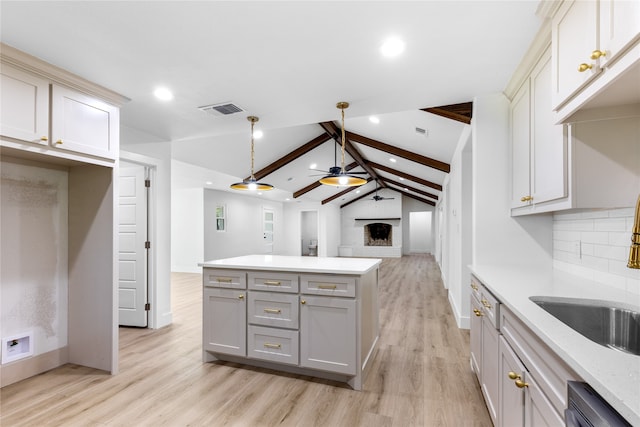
[44, 138]
[478, 312]
[521, 384]
[474, 287]
[526, 199]
[240, 296]
[59, 142]
[513, 376]
[584, 67]
[303, 301]
[597, 54]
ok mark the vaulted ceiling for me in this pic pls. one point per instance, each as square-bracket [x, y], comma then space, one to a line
[289, 63]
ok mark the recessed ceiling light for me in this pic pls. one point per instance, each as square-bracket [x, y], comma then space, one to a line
[392, 160]
[393, 46]
[313, 166]
[258, 134]
[163, 94]
[287, 199]
[401, 179]
[208, 182]
[374, 119]
[357, 191]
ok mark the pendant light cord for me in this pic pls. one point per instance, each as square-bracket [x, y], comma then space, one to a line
[253, 120]
[343, 142]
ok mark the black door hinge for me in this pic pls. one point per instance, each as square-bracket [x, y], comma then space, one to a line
[147, 183]
[147, 307]
[147, 245]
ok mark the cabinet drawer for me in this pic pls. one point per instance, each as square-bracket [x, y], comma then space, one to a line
[273, 282]
[217, 278]
[278, 345]
[339, 286]
[273, 309]
[475, 287]
[491, 307]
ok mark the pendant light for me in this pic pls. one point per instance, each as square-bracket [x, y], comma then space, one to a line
[340, 178]
[252, 184]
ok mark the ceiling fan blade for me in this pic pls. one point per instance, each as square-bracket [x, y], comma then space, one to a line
[319, 170]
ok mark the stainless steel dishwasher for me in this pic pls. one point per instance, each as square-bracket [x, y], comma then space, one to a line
[585, 408]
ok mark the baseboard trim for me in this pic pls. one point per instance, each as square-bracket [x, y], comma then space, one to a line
[25, 368]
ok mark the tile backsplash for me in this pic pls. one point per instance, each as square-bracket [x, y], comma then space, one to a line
[594, 244]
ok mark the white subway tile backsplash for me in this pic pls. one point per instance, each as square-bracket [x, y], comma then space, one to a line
[594, 244]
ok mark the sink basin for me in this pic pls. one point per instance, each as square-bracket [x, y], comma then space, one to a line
[606, 323]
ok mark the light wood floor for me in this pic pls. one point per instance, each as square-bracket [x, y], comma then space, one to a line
[420, 374]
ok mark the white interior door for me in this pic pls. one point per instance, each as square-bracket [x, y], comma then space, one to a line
[132, 235]
[267, 229]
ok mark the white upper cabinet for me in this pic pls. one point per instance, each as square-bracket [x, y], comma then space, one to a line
[24, 105]
[574, 37]
[595, 56]
[83, 124]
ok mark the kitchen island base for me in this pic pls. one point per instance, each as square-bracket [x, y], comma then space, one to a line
[315, 318]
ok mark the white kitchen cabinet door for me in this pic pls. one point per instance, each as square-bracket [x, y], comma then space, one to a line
[520, 150]
[225, 321]
[511, 405]
[574, 34]
[83, 124]
[538, 410]
[328, 334]
[490, 377]
[619, 27]
[548, 145]
[24, 105]
[476, 337]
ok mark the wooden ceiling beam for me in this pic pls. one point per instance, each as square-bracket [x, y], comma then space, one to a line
[420, 199]
[462, 112]
[406, 176]
[336, 133]
[298, 152]
[415, 190]
[400, 152]
[317, 184]
[342, 193]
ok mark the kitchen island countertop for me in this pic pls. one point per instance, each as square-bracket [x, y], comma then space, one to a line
[330, 265]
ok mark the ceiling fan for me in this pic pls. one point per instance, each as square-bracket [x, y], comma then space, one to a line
[335, 170]
[378, 198]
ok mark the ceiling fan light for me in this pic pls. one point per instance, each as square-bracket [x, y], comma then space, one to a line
[342, 180]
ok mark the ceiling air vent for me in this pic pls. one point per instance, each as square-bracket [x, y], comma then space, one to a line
[223, 109]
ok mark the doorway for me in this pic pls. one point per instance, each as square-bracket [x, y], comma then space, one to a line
[420, 238]
[134, 244]
[309, 233]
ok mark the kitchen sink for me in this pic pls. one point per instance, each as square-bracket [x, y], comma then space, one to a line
[606, 323]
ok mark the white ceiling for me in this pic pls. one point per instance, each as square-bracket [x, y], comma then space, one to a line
[286, 62]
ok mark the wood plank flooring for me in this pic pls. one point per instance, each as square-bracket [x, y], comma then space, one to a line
[420, 374]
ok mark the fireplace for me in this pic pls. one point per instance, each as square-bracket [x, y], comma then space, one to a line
[378, 234]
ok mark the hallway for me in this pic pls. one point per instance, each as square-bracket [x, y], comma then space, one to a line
[420, 374]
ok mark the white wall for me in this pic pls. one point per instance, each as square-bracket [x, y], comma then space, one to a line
[187, 229]
[244, 229]
[498, 238]
[594, 244]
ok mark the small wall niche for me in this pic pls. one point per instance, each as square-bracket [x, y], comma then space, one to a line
[17, 347]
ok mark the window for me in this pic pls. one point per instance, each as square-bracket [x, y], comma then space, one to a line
[221, 218]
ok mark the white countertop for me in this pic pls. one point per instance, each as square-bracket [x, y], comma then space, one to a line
[613, 374]
[337, 265]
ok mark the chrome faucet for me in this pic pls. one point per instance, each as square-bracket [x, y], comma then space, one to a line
[634, 252]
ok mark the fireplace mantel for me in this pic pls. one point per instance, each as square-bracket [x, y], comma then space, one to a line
[377, 219]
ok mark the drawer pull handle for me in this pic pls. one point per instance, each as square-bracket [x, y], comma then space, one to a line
[526, 199]
[302, 301]
[273, 310]
[272, 283]
[514, 376]
[478, 312]
[474, 286]
[486, 303]
[269, 345]
[521, 384]
[584, 67]
[224, 280]
[327, 286]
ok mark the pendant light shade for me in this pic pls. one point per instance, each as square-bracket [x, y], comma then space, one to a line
[338, 176]
[252, 183]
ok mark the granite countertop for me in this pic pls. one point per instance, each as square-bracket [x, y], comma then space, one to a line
[331, 265]
[613, 374]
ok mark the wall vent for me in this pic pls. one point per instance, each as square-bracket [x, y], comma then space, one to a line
[222, 109]
[423, 132]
